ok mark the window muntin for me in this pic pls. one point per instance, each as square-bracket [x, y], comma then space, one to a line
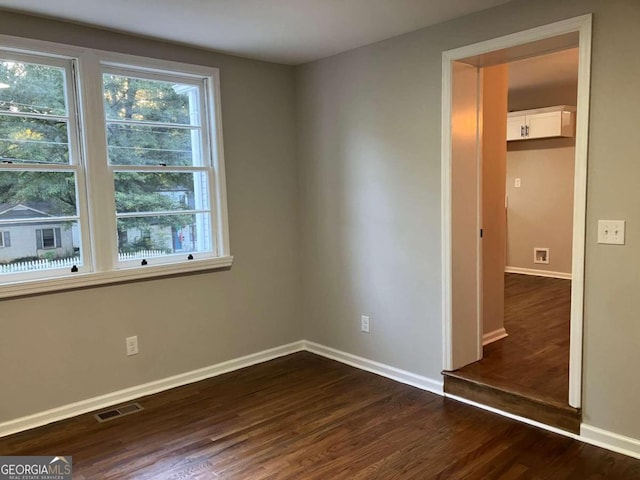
[158, 158]
[40, 169]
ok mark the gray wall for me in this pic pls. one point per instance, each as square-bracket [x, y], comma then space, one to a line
[369, 155]
[541, 210]
[540, 213]
[61, 348]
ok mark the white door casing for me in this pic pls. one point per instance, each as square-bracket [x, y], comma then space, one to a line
[456, 337]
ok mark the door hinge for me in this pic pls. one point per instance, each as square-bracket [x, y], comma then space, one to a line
[481, 232]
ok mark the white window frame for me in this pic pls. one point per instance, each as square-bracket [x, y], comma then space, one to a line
[76, 166]
[206, 168]
[2, 238]
[96, 192]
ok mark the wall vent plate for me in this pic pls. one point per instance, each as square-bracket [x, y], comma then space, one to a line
[118, 412]
[540, 255]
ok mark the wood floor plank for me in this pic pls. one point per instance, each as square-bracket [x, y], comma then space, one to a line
[534, 359]
[304, 417]
[527, 373]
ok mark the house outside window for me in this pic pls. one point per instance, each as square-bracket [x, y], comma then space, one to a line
[106, 184]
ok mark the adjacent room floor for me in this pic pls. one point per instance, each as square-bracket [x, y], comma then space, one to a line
[534, 359]
[304, 417]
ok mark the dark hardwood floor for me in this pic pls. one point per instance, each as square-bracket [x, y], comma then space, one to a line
[533, 360]
[304, 417]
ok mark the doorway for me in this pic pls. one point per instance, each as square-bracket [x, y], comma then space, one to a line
[462, 188]
[527, 219]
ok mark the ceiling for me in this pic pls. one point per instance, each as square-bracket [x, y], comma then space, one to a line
[558, 68]
[282, 31]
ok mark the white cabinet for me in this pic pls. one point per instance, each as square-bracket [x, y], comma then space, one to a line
[559, 121]
[516, 125]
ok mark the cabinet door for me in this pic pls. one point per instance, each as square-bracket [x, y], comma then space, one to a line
[514, 127]
[542, 125]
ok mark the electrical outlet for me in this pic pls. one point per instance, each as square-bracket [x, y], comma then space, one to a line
[132, 345]
[518, 183]
[364, 323]
[611, 232]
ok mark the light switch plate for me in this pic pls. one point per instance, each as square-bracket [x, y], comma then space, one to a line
[611, 232]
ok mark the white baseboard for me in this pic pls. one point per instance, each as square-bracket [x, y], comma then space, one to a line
[494, 336]
[402, 376]
[609, 440]
[538, 273]
[120, 396]
[588, 434]
[125, 395]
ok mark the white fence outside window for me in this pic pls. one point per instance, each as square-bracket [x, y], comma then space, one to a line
[44, 264]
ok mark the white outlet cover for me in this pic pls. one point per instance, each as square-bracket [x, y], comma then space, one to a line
[611, 232]
[132, 345]
[364, 323]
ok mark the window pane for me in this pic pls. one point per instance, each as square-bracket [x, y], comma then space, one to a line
[39, 246]
[142, 237]
[32, 140]
[29, 194]
[32, 88]
[127, 98]
[146, 145]
[160, 192]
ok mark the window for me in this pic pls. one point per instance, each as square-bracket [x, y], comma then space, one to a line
[47, 238]
[40, 173]
[112, 183]
[158, 158]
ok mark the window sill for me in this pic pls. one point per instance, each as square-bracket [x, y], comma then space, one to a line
[82, 280]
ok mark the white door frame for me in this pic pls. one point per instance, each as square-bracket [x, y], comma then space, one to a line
[581, 25]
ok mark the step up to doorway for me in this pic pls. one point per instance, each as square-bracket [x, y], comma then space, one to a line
[550, 413]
